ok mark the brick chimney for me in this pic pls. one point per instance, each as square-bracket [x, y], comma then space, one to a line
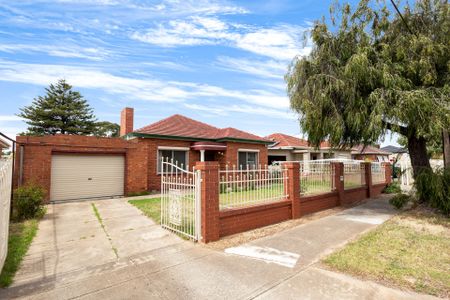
[126, 121]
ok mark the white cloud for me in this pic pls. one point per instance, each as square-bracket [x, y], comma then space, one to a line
[262, 68]
[196, 31]
[245, 109]
[171, 7]
[95, 54]
[282, 42]
[149, 89]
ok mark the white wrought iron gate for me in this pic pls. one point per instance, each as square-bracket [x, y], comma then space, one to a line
[180, 200]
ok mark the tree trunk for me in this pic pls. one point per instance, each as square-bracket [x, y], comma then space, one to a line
[417, 148]
[446, 147]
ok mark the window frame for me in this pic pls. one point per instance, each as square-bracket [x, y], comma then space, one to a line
[172, 149]
[256, 151]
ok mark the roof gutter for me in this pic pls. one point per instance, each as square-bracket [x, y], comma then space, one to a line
[188, 138]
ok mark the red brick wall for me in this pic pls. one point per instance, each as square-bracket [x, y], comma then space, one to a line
[377, 189]
[312, 204]
[238, 220]
[151, 145]
[230, 157]
[232, 221]
[38, 154]
[354, 195]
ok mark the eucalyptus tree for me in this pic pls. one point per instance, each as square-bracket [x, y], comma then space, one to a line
[373, 70]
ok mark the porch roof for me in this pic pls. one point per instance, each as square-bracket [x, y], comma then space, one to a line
[208, 146]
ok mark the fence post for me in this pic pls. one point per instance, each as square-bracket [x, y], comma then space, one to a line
[339, 180]
[368, 169]
[387, 172]
[292, 185]
[209, 193]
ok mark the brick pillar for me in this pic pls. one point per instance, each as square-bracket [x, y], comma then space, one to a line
[368, 169]
[292, 185]
[339, 180]
[209, 200]
[388, 172]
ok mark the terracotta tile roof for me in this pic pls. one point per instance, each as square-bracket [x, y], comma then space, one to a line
[325, 144]
[231, 132]
[360, 149]
[284, 140]
[181, 126]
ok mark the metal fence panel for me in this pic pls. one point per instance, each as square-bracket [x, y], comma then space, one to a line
[5, 202]
[354, 174]
[240, 187]
[316, 177]
[378, 173]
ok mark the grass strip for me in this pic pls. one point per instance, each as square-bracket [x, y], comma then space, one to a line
[21, 235]
[100, 220]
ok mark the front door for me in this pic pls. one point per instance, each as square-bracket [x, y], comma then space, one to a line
[210, 155]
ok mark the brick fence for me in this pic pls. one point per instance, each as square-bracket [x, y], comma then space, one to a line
[218, 223]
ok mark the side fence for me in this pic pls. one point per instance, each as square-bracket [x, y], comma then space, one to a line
[5, 202]
[234, 200]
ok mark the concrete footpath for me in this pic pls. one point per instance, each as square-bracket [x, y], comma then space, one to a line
[282, 266]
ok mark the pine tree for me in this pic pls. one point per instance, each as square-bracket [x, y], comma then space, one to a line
[60, 111]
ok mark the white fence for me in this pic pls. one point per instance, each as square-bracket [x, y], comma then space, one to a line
[251, 186]
[354, 174]
[5, 202]
[378, 173]
[316, 177]
[180, 200]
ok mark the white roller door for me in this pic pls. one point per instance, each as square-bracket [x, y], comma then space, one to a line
[80, 176]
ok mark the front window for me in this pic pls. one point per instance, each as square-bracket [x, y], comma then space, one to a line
[248, 159]
[176, 157]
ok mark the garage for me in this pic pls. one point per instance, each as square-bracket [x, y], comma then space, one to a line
[84, 176]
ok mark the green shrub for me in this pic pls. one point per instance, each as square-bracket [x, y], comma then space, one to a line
[28, 202]
[433, 187]
[399, 200]
[393, 188]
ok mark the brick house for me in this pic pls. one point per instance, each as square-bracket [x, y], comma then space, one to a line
[186, 141]
[290, 148]
[75, 167]
[370, 153]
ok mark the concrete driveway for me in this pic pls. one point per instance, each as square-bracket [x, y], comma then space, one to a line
[161, 266]
[71, 241]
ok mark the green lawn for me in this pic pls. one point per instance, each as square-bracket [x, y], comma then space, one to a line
[411, 250]
[150, 207]
[21, 235]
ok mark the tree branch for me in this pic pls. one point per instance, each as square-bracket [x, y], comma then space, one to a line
[396, 128]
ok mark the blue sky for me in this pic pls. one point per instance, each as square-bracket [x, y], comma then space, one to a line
[220, 62]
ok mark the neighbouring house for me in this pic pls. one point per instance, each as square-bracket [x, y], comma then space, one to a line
[76, 167]
[3, 144]
[370, 153]
[289, 148]
[395, 153]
